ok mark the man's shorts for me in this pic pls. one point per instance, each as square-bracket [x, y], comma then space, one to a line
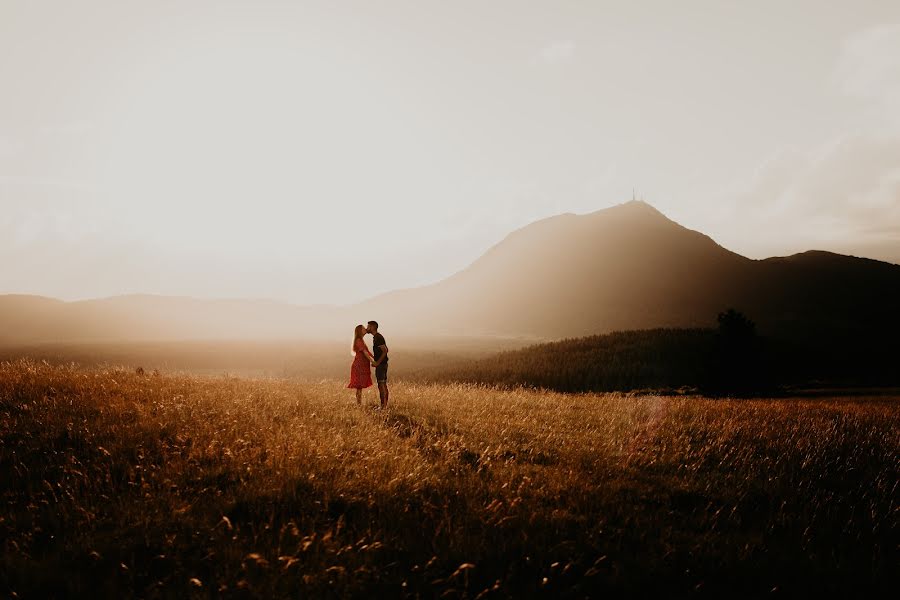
[381, 373]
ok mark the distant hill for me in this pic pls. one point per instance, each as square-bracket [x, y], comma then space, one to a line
[630, 267]
[661, 359]
[35, 319]
[694, 359]
[621, 268]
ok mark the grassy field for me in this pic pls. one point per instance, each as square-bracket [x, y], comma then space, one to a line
[308, 359]
[116, 484]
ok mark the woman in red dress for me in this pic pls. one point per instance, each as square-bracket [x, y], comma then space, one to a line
[360, 370]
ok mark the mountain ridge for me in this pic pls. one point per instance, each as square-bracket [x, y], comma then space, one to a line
[623, 267]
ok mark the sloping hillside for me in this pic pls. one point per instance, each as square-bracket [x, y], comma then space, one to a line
[621, 268]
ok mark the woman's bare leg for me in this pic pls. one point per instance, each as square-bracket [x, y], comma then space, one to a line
[359, 395]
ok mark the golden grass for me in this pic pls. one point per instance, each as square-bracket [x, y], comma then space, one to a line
[119, 484]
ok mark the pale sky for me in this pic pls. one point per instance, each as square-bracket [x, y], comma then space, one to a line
[324, 152]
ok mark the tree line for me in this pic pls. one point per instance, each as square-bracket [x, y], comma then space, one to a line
[731, 358]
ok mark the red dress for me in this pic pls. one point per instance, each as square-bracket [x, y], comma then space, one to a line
[361, 369]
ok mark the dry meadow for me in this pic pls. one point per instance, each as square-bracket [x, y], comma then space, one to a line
[119, 484]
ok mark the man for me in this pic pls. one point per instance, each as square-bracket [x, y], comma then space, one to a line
[380, 354]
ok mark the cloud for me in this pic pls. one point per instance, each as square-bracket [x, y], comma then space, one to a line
[9, 147]
[27, 180]
[557, 52]
[39, 208]
[869, 69]
[841, 195]
[79, 127]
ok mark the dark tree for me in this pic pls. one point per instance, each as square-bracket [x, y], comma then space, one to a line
[738, 365]
[735, 326]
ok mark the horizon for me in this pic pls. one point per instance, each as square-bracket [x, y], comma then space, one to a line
[339, 306]
[323, 155]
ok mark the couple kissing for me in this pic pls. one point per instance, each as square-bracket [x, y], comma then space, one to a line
[363, 361]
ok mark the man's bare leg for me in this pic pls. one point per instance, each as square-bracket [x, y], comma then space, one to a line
[383, 393]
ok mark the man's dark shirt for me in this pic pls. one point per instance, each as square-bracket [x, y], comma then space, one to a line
[377, 343]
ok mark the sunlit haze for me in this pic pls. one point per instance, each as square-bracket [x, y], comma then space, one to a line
[323, 152]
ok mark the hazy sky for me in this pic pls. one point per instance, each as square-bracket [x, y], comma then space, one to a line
[323, 152]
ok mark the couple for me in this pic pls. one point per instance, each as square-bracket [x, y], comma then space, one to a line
[360, 375]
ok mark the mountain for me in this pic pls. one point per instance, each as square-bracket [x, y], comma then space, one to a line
[624, 267]
[630, 267]
[35, 319]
